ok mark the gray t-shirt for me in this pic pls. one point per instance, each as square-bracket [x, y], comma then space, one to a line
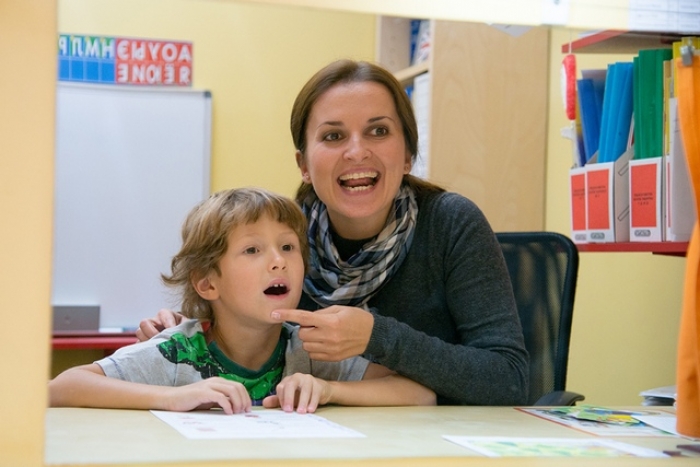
[180, 355]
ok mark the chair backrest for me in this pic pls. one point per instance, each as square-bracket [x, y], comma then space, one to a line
[543, 268]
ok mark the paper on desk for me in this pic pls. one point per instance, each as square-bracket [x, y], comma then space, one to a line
[567, 416]
[493, 446]
[261, 423]
[665, 422]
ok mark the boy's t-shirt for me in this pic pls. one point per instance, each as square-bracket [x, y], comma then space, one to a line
[180, 355]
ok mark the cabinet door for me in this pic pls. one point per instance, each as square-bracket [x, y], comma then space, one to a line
[489, 119]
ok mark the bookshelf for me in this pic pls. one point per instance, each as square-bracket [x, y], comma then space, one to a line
[661, 248]
[487, 113]
[626, 42]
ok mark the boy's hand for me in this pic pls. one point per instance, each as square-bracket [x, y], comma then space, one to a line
[151, 326]
[302, 391]
[231, 396]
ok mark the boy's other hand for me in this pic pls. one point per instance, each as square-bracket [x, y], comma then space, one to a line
[301, 391]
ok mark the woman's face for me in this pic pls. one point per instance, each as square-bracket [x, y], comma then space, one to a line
[356, 156]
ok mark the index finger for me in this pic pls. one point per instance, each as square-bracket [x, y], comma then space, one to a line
[301, 317]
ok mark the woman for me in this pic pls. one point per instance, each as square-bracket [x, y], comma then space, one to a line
[401, 271]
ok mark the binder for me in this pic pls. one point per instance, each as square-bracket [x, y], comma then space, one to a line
[646, 199]
[647, 172]
[649, 102]
[577, 203]
[590, 96]
[616, 118]
[607, 200]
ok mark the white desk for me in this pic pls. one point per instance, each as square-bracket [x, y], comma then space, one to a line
[398, 436]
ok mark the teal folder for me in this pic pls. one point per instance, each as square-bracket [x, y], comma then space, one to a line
[616, 118]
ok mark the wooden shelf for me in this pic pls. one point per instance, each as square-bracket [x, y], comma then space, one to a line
[621, 42]
[661, 248]
[407, 75]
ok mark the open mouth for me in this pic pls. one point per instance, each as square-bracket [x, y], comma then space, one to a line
[359, 181]
[277, 289]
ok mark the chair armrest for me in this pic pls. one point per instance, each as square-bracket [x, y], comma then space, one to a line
[559, 399]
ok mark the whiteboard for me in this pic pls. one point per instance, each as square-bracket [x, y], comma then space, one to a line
[130, 164]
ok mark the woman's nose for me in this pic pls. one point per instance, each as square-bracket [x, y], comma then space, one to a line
[356, 149]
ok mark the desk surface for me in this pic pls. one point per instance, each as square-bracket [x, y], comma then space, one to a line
[395, 436]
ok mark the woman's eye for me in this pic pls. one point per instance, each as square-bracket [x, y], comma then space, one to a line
[331, 137]
[288, 247]
[380, 131]
[251, 250]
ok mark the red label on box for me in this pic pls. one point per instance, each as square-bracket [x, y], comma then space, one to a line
[643, 195]
[578, 201]
[598, 194]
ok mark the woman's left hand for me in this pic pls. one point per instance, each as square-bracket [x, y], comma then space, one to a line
[331, 334]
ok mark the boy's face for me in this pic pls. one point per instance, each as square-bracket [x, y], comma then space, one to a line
[261, 271]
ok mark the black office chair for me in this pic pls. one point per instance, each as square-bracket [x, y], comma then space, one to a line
[543, 268]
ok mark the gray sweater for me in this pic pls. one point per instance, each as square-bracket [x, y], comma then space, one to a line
[448, 319]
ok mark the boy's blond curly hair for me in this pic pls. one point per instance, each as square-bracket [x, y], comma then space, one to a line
[205, 238]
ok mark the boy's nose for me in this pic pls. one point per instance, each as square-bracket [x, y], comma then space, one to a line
[278, 261]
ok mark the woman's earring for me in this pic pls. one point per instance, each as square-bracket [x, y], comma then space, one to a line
[306, 178]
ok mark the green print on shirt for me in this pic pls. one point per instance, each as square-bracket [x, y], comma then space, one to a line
[195, 352]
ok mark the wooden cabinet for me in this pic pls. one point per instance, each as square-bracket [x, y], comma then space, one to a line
[487, 115]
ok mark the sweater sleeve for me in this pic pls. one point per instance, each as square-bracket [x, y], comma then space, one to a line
[448, 319]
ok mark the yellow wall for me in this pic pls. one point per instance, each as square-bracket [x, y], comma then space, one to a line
[628, 304]
[254, 58]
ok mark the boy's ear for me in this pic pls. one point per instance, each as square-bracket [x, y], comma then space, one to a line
[205, 288]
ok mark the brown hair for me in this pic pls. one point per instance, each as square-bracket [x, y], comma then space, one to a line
[205, 238]
[350, 71]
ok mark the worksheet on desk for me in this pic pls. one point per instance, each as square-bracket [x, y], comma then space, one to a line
[260, 424]
[495, 446]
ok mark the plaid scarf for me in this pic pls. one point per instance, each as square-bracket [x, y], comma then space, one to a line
[332, 281]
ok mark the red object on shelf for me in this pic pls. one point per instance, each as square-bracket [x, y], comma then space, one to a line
[568, 85]
[662, 248]
[92, 340]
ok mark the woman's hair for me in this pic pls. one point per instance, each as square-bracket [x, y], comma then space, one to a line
[345, 72]
[205, 238]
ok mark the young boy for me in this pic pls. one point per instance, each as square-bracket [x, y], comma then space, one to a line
[243, 255]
